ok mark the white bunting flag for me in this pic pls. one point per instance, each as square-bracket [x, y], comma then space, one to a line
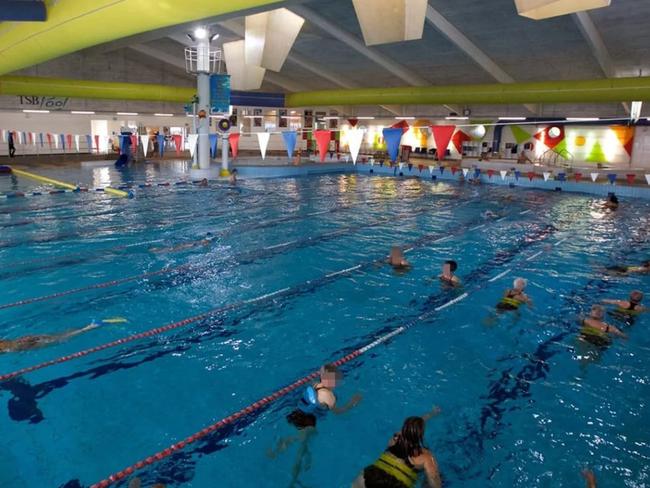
[4, 135]
[263, 139]
[401, 165]
[503, 172]
[355, 138]
[56, 138]
[431, 169]
[34, 138]
[465, 171]
[144, 141]
[546, 175]
[647, 178]
[76, 142]
[191, 141]
[594, 177]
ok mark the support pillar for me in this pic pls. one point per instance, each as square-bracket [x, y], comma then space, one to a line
[224, 155]
[203, 90]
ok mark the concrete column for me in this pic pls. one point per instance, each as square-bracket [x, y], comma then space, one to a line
[224, 155]
[203, 90]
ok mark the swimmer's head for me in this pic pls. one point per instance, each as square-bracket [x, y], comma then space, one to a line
[396, 253]
[645, 264]
[519, 283]
[234, 171]
[411, 438]
[612, 198]
[636, 297]
[450, 266]
[330, 375]
[597, 312]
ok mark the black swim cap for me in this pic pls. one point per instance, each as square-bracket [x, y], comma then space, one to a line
[453, 265]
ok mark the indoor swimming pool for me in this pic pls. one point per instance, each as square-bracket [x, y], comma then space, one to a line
[264, 282]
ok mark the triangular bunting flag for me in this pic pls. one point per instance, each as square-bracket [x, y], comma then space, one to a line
[477, 172]
[69, 140]
[233, 140]
[454, 169]
[40, 138]
[410, 166]
[517, 174]
[323, 138]
[431, 168]
[392, 136]
[4, 135]
[531, 175]
[33, 138]
[76, 142]
[442, 136]
[647, 178]
[503, 173]
[442, 169]
[144, 142]
[263, 141]
[612, 178]
[355, 138]
[546, 175]
[465, 171]
[56, 140]
[630, 178]
[161, 144]
[490, 172]
[577, 177]
[214, 139]
[89, 143]
[594, 177]
[134, 144]
[289, 138]
[192, 139]
[178, 142]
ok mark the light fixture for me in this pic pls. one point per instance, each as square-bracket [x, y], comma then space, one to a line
[364, 118]
[290, 117]
[164, 115]
[581, 119]
[190, 37]
[200, 33]
[545, 9]
[214, 37]
[456, 117]
[82, 112]
[404, 118]
[331, 117]
[126, 113]
[512, 118]
[32, 111]
[253, 117]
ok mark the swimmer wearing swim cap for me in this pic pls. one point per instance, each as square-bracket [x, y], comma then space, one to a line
[595, 331]
[448, 277]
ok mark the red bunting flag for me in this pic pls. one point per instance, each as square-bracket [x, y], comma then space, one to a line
[323, 138]
[69, 140]
[420, 167]
[353, 122]
[531, 175]
[233, 139]
[630, 178]
[49, 139]
[178, 141]
[577, 177]
[454, 169]
[442, 136]
[490, 172]
[96, 143]
[31, 137]
[134, 144]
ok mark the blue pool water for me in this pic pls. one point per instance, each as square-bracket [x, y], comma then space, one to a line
[523, 402]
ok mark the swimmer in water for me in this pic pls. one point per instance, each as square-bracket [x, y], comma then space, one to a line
[489, 214]
[448, 277]
[515, 297]
[405, 456]
[317, 400]
[233, 177]
[397, 259]
[590, 478]
[622, 269]
[203, 183]
[185, 246]
[597, 332]
[612, 202]
[630, 307]
[28, 343]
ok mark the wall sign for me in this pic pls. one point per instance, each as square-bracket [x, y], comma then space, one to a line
[45, 103]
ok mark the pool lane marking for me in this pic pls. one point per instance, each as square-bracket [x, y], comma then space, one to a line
[478, 227]
[343, 271]
[525, 212]
[560, 241]
[530, 258]
[442, 239]
[159, 456]
[452, 302]
[501, 219]
[288, 243]
[420, 242]
[268, 295]
[500, 275]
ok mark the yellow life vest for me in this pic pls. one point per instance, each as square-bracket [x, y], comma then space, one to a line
[393, 466]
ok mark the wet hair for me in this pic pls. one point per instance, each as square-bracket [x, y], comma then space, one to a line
[234, 171]
[612, 198]
[453, 265]
[330, 368]
[597, 311]
[411, 438]
[645, 264]
[521, 281]
[636, 296]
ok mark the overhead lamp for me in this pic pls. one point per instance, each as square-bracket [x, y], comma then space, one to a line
[581, 119]
[404, 118]
[33, 111]
[214, 37]
[512, 118]
[164, 115]
[456, 117]
[82, 112]
[200, 33]
[544, 9]
[126, 113]
[365, 118]
[331, 117]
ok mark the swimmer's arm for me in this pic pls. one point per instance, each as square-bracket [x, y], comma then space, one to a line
[432, 472]
[616, 331]
[590, 478]
[608, 301]
[354, 401]
[435, 411]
